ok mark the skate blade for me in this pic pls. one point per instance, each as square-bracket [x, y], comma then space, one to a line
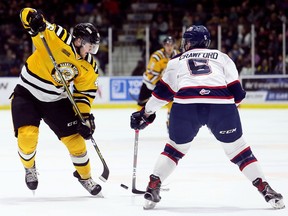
[149, 205]
[277, 204]
[99, 195]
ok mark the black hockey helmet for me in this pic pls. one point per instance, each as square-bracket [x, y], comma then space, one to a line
[197, 36]
[88, 33]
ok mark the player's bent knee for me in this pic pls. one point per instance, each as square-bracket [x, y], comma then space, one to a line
[27, 139]
[233, 148]
[239, 153]
[77, 148]
[75, 144]
[183, 148]
[176, 151]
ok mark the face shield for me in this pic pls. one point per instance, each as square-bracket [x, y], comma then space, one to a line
[90, 47]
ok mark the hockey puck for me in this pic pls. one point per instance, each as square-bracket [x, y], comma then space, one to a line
[124, 186]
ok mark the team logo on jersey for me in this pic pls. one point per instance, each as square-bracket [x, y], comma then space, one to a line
[204, 92]
[68, 71]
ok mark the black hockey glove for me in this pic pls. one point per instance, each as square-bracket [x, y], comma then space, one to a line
[86, 130]
[36, 22]
[139, 121]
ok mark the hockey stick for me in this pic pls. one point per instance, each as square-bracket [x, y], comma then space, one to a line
[134, 190]
[105, 173]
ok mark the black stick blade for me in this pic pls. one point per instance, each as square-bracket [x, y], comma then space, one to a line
[135, 191]
[105, 174]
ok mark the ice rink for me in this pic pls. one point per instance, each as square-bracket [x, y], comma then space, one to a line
[205, 182]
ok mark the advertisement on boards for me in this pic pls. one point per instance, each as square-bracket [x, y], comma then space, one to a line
[125, 88]
[266, 89]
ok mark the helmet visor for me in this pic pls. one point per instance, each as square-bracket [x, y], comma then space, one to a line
[92, 47]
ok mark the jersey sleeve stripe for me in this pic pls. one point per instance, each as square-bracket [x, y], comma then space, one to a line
[156, 57]
[63, 34]
[68, 39]
[91, 93]
[95, 66]
[58, 30]
[91, 61]
[155, 73]
[82, 100]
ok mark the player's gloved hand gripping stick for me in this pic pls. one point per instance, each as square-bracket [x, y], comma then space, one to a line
[139, 120]
[106, 171]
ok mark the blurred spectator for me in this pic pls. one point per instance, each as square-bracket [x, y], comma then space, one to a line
[96, 17]
[140, 38]
[112, 7]
[82, 16]
[85, 6]
[187, 19]
[102, 55]
[200, 15]
[279, 65]
[247, 69]
[16, 46]
[69, 14]
[244, 37]
[154, 40]
[161, 25]
[236, 52]
[263, 68]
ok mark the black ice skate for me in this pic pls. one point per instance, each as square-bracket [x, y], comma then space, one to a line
[152, 192]
[92, 187]
[31, 178]
[275, 199]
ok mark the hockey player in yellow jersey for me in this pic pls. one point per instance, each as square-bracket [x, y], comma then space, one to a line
[155, 70]
[40, 94]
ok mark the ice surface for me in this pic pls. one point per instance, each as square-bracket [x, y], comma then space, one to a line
[204, 183]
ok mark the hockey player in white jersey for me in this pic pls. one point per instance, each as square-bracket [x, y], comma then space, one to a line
[204, 86]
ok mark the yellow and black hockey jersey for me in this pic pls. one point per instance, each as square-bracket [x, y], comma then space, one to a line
[156, 67]
[39, 76]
